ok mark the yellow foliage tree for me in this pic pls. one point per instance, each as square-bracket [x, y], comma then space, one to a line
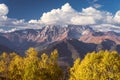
[30, 67]
[103, 65]
[73, 70]
[16, 67]
[4, 64]
[49, 67]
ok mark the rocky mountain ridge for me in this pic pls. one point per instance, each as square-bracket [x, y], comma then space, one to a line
[23, 39]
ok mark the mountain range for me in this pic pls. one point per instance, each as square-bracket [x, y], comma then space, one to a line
[72, 41]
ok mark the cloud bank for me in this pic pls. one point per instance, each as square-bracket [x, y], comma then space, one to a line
[67, 15]
[12, 24]
[62, 16]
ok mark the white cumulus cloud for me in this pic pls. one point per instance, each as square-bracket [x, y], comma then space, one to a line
[117, 17]
[61, 15]
[3, 10]
[67, 15]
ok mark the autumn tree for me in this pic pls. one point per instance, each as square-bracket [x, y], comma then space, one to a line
[43, 68]
[31, 65]
[4, 63]
[16, 67]
[49, 69]
[73, 70]
[103, 65]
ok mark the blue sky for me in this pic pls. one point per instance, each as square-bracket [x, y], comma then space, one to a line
[33, 9]
[24, 14]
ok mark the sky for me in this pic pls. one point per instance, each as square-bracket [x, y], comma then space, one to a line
[33, 9]
[22, 14]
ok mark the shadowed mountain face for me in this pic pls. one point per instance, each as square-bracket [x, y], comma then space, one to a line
[70, 40]
[6, 45]
[5, 49]
[69, 50]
